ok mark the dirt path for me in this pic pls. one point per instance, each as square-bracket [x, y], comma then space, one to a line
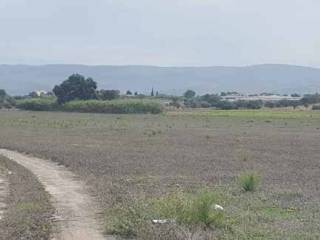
[75, 211]
[3, 193]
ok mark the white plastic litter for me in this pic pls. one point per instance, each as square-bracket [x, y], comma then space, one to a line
[162, 221]
[218, 207]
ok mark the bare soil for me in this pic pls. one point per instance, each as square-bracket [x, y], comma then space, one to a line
[121, 157]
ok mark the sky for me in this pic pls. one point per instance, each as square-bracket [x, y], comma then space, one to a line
[160, 32]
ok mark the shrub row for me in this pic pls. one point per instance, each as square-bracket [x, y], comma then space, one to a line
[224, 105]
[116, 106]
[92, 106]
[316, 107]
[37, 104]
[215, 101]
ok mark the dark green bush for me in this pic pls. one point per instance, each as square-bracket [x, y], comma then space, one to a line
[226, 105]
[310, 99]
[116, 106]
[108, 94]
[38, 104]
[316, 107]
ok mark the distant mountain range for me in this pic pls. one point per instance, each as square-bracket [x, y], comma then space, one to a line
[22, 79]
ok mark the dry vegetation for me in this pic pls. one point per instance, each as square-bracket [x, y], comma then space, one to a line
[146, 157]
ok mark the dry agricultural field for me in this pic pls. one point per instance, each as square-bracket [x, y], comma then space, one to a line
[124, 158]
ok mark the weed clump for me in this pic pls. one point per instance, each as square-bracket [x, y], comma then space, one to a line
[126, 220]
[249, 182]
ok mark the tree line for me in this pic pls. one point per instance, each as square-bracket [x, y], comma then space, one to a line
[79, 88]
[190, 99]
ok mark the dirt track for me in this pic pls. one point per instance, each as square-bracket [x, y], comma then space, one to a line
[75, 211]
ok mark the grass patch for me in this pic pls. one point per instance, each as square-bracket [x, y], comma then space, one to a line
[185, 212]
[194, 216]
[279, 213]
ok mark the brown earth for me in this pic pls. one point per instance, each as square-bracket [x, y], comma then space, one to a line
[114, 151]
[121, 156]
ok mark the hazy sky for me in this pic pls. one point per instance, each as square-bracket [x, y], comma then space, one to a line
[160, 32]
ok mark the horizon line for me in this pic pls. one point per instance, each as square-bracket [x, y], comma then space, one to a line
[159, 66]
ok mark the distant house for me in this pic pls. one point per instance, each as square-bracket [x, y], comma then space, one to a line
[39, 93]
[262, 97]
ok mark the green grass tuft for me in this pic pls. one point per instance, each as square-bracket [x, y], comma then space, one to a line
[249, 181]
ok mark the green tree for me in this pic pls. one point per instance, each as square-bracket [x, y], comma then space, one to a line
[5, 100]
[3, 94]
[310, 99]
[175, 101]
[189, 94]
[33, 95]
[212, 99]
[108, 94]
[75, 87]
[295, 95]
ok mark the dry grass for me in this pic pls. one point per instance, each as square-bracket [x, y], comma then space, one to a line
[143, 156]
